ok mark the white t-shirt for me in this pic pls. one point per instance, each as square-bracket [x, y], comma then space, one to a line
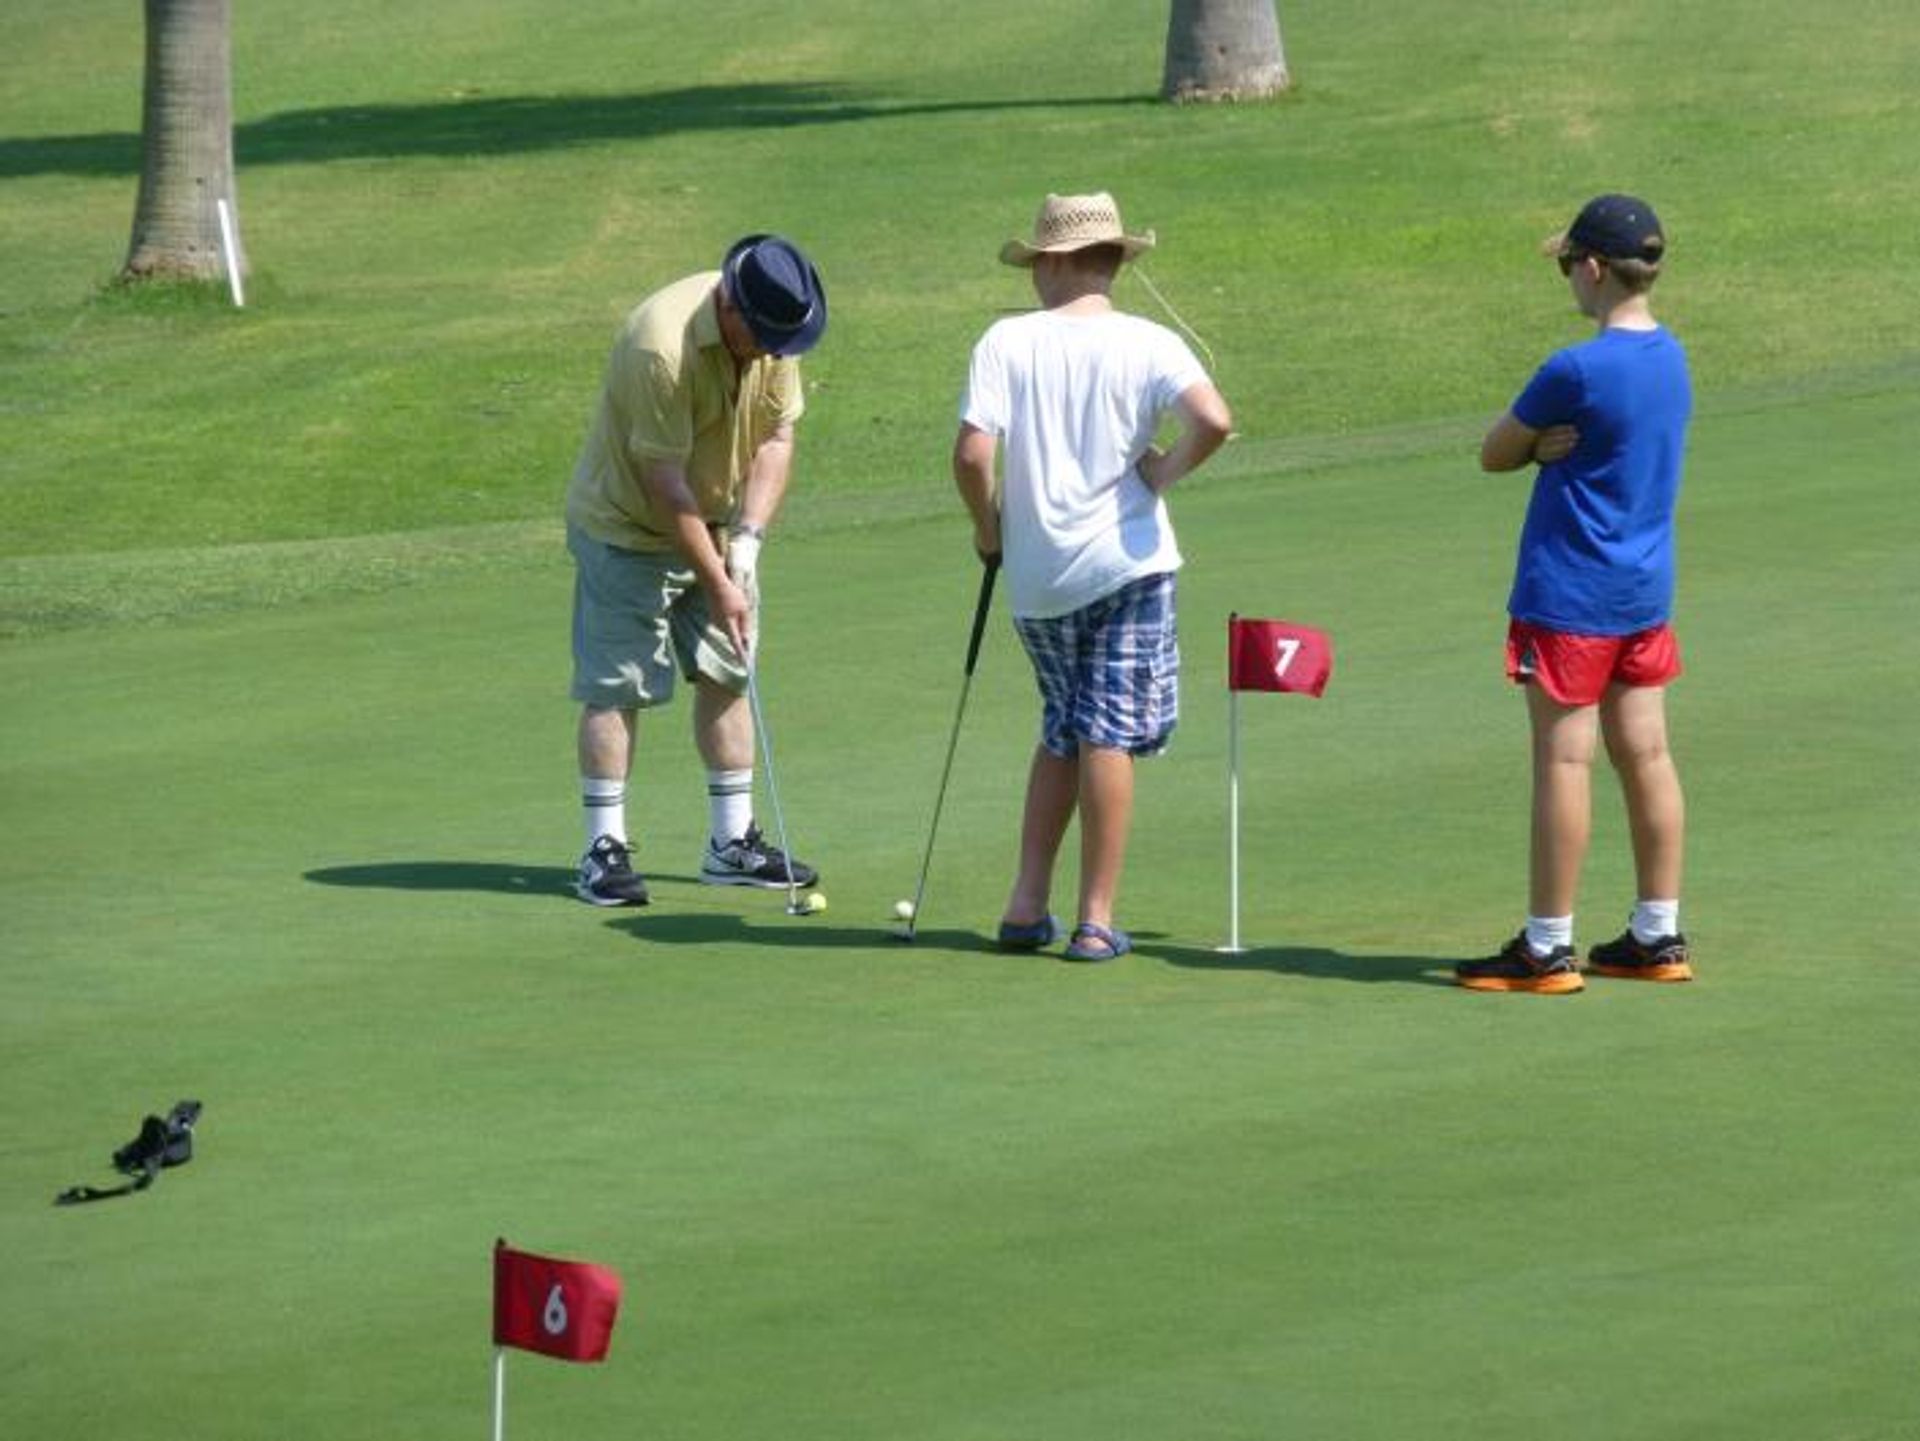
[1075, 401]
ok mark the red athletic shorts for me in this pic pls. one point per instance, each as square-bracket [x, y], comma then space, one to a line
[1577, 669]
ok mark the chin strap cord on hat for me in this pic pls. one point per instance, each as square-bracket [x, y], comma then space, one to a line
[1165, 305]
[162, 1142]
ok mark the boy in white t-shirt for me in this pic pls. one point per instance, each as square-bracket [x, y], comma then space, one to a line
[1075, 392]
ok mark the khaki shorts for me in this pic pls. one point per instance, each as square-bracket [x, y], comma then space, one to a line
[637, 618]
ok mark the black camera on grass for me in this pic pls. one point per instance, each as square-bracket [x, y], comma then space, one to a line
[163, 1141]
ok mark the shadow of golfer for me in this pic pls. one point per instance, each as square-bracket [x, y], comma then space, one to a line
[656, 926]
[1314, 963]
[494, 878]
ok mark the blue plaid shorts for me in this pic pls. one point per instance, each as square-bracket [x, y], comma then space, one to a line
[1109, 673]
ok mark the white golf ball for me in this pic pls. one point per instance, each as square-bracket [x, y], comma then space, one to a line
[903, 910]
[816, 902]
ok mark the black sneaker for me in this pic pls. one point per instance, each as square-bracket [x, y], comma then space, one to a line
[607, 877]
[1516, 968]
[1627, 957]
[751, 860]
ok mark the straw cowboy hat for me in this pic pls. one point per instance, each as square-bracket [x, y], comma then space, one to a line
[1075, 222]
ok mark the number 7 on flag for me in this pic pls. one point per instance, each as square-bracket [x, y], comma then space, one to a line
[1277, 655]
[1286, 648]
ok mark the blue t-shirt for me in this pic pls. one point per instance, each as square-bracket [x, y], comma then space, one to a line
[1596, 553]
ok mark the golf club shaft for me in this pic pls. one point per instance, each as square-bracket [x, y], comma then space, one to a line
[990, 568]
[773, 781]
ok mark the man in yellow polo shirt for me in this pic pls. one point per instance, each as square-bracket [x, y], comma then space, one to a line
[682, 472]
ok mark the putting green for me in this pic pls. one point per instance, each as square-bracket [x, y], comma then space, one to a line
[309, 865]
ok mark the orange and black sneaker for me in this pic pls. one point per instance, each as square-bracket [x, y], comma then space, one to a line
[1517, 968]
[1627, 957]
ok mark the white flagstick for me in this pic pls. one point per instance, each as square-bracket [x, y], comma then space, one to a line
[228, 248]
[499, 1393]
[1233, 946]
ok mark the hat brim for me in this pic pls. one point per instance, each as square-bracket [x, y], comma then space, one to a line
[1020, 253]
[784, 343]
[1555, 246]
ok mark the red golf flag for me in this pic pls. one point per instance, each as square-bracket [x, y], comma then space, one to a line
[1277, 655]
[563, 1309]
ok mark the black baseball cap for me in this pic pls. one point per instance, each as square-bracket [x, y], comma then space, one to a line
[777, 292]
[1614, 227]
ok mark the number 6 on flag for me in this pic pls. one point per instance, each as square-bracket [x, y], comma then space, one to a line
[1277, 655]
[563, 1309]
[554, 1318]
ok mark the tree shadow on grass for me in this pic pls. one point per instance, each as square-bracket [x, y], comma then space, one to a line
[472, 124]
[494, 878]
[1311, 962]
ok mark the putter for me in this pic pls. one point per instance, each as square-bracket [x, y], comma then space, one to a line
[795, 907]
[991, 568]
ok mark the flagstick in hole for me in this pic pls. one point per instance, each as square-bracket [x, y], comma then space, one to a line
[1269, 655]
[562, 1309]
[1233, 946]
[499, 1393]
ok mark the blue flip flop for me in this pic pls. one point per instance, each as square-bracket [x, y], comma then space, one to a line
[1106, 943]
[1029, 935]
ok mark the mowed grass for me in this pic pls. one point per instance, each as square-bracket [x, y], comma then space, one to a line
[310, 865]
[449, 208]
[289, 807]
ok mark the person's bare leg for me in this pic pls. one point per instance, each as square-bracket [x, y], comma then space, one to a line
[604, 748]
[1106, 816]
[722, 727]
[605, 743]
[1053, 787]
[1563, 746]
[1634, 721]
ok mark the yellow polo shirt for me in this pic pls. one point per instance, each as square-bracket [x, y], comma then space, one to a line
[670, 394]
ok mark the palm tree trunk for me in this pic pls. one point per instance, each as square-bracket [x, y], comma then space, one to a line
[1223, 50]
[187, 145]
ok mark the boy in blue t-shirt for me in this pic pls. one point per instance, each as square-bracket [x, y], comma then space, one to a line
[1606, 422]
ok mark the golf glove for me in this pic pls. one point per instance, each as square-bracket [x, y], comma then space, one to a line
[743, 562]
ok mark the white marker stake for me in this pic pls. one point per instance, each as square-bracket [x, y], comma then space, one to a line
[229, 249]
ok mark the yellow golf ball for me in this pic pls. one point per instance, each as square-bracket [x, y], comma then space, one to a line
[816, 902]
[903, 910]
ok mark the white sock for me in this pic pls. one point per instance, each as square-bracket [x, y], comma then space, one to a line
[1546, 932]
[605, 805]
[730, 804]
[1654, 920]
